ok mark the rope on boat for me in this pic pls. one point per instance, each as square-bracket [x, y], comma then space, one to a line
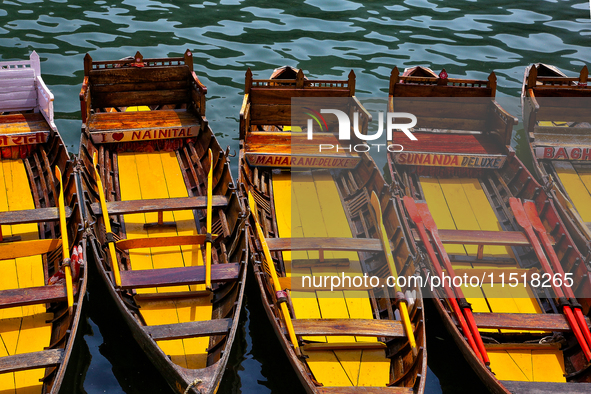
[194, 383]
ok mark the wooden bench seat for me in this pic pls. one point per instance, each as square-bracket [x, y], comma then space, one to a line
[23, 129]
[481, 237]
[32, 295]
[32, 215]
[178, 276]
[293, 149]
[189, 330]
[328, 243]
[356, 327]
[25, 361]
[546, 387]
[478, 144]
[158, 204]
[365, 390]
[14, 250]
[523, 321]
[155, 242]
[108, 127]
[322, 346]
[23, 123]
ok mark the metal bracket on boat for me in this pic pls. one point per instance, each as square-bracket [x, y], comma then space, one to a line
[208, 238]
[281, 296]
[109, 237]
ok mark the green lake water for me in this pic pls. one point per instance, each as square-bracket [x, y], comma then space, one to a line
[326, 38]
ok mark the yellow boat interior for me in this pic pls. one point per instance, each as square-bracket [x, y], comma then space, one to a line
[37, 328]
[316, 222]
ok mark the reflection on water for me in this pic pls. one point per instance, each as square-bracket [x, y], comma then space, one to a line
[326, 38]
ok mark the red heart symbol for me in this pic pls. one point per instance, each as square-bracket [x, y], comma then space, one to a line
[118, 136]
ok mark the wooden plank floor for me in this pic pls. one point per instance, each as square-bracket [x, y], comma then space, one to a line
[158, 175]
[307, 204]
[577, 183]
[460, 203]
[22, 329]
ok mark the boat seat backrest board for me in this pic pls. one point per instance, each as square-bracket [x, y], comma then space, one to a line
[271, 106]
[434, 90]
[447, 113]
[129, 86]
[23, 89]
[564, 109]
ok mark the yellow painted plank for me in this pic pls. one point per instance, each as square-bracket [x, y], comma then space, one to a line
[548, 365]
[129, 185]
[35, 335]
[459, 206]
[575, 188]
[307, 204]
[331, 304]
[504, 366]
[326, 369]
[585, 175]
[437, 203]
[175, 349]
[359, 307]
[440, 211]
[485, 216]
[305, 304]
[6, 379]
[23, 271]
[157, 312]
[199, 309]
[9, 331]
[185, 221]
[153, 185]
[350, 362]
[374, 369]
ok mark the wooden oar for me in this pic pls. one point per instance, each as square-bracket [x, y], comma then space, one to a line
[532, 215]
[402, 303]
[281, 297]
[107, 222]
[208, 239]
[65, 245]
[411, 208]
[465, 305]
[524, 222]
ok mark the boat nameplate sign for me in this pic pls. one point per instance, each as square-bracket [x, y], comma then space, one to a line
[30, 138]
[301, 161]
[563, 153]
[114, 136]
[450, 160]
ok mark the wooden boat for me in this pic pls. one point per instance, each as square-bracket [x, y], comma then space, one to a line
[314, 218]
[477, 211]
[173, 251]
[557, 123]
[41, 289]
